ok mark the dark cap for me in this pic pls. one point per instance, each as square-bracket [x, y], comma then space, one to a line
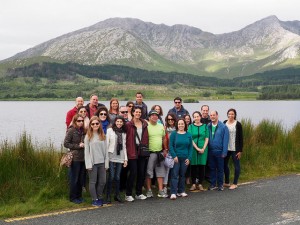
[152, 112]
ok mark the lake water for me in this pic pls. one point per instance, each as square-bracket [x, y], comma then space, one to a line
[45, 120]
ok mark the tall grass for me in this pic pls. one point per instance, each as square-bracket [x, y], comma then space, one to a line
[30, 180]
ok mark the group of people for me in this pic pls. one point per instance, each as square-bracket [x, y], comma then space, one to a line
[130, 146]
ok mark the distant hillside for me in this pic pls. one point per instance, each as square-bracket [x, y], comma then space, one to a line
[268, 44]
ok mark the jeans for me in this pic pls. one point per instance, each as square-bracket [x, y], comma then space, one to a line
[76, 174]
[97, 182]
[114, 175]
[136, 169]
[178, 176]
[237, 168]
[216, 164]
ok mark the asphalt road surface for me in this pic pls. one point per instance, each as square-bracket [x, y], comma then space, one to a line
[272, 201]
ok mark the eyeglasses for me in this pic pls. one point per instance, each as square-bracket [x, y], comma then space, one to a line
[177, 102]
[93, 124]
[79, 121]
[102, 114]
[170, 119]
[123, 112]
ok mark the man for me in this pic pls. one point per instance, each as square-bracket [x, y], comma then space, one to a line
[72, 112]
[217, 150]
[178, 108]
[123, 112]
[156, 134]
[205, 114]
[92, 107]
[139, 103]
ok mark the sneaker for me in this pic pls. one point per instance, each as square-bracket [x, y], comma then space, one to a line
[173, 197]
[129, 198]
[193, 187]
[211, 188]
[165, 190]
[200, 187]
[221, 188]
[162, 194]
[140, 197]
[183, 194]
[100, 202]
[95, 203]
[149, 194]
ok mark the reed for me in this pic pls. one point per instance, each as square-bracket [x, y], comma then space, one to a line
[31, 181]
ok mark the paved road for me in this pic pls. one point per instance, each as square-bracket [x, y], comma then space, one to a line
[272, 202]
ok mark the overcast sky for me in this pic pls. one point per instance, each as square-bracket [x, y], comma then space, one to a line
[26, 23]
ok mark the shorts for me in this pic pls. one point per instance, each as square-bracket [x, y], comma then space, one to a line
[152, 164]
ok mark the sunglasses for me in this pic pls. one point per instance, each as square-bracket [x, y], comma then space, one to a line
[79, 121]
[177, 102]
[93, 124]
[102, 114]
[123, 112]
[130, 106]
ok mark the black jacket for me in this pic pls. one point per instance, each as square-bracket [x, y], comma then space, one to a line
[238, 137]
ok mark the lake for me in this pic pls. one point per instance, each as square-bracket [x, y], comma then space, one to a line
[45, 120]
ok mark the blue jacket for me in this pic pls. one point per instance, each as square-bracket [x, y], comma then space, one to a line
[218, 145]
[179, 113]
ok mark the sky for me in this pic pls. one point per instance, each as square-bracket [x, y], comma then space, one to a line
[27, 23]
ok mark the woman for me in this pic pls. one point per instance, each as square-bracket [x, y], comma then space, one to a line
[116, 145]
[170, 121]
[129, 106]
[137, 133]
[159, 110]
[180, 147]
[235, 148]
[96, 160]
[188, 121]
[102, 113]
[199, 133]
[74, 141]
[113, 109]
[82, 112]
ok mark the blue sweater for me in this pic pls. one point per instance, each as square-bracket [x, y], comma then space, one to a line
[218, 144]
[181, 145]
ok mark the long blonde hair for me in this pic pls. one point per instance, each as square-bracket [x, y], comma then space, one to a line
[90, 132]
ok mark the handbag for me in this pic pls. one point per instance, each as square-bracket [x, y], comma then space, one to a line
[66, 159]
[143, 150]
[169, 161]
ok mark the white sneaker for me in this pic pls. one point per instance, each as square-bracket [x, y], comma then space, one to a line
[149, 194]
[162, 194]
[173, 197]
[183, 194]
[129, 198]
[140, 197]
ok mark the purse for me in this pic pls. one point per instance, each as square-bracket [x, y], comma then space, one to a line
[169, 161]
[143, 150]
[66, 159]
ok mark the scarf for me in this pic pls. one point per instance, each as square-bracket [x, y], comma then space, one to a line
[119, 143]
[104, 125]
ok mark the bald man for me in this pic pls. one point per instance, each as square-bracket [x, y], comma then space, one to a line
[78, 102]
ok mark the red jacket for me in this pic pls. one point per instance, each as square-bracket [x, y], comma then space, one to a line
[131, 138]
[70, 115]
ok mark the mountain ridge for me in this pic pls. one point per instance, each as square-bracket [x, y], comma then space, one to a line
[263, 45]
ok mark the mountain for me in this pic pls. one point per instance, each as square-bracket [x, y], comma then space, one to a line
[264, 45]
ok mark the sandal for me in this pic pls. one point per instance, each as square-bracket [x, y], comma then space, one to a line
[233, 186]
[193, 187]
[226, 185]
